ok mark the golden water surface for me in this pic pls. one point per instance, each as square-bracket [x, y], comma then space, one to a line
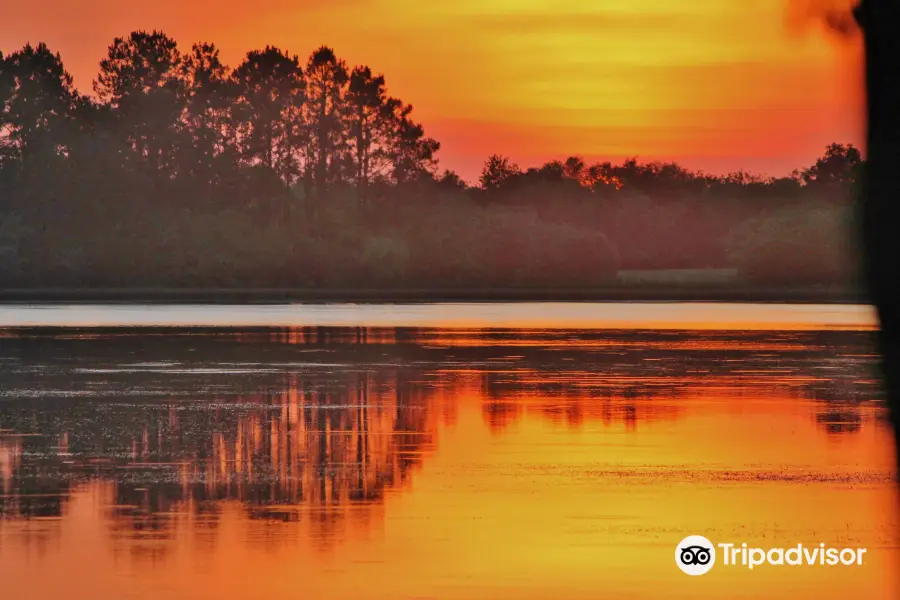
[437, 463]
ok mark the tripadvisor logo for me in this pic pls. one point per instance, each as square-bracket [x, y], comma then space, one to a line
[696, 555]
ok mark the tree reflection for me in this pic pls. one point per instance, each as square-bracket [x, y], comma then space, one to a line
[317, 426]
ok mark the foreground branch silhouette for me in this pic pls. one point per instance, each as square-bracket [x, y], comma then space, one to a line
[880, 22]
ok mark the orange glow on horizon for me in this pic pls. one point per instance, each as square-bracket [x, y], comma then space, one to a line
[720, 85]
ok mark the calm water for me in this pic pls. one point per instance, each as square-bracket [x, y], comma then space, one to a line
[423, 460]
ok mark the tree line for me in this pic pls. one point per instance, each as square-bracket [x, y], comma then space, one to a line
[173, 115]
[187, 115]
[164, 174]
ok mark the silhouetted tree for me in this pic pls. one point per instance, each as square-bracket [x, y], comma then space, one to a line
[412, 154]
[552, 171]
[269, 88]
[327, 80]
[366, 108]
[602, 178]
[574, 168]
[497, 171]
[839, 166]
[209, 98]
[140, 80]
[452, 181]
[37, 100]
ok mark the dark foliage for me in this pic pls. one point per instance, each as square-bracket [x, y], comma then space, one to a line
[181, 172]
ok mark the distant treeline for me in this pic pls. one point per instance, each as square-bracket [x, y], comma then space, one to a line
[179, 171]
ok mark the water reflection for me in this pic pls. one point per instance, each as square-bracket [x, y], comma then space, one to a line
[170, 433]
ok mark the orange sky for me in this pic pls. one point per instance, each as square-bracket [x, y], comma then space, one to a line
[715, 84]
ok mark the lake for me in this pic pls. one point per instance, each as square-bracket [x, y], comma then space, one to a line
[460, 451]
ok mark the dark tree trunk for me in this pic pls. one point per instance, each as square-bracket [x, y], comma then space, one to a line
[880, 21]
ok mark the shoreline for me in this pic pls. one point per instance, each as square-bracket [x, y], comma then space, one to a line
[798, 295]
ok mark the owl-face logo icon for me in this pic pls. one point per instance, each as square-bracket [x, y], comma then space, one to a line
[695, 555]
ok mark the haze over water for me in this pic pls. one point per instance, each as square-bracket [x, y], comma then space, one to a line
[469, 459]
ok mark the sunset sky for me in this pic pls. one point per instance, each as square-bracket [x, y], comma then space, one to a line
[715, 84]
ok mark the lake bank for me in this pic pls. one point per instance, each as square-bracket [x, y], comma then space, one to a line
[800, 295]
